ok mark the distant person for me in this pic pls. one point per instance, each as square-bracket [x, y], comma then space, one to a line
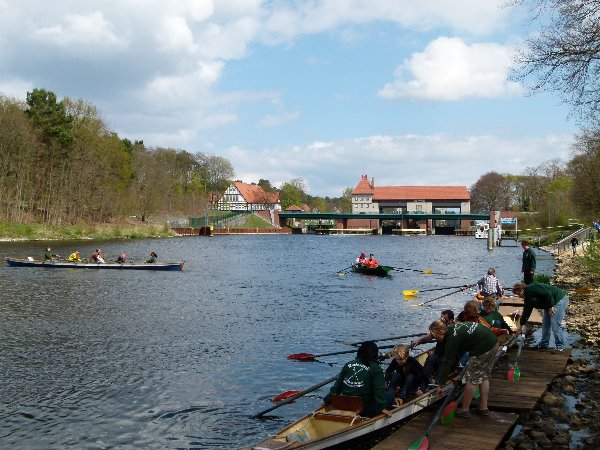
[49, 256]
[96, 256]
[122, 257]
[528, 265]
[372, 263]
[152, 257]
[574, 243]
[553, 301]
[74, 257]
[361, 259]
[363, 377]
[490, 285]
[482, 345]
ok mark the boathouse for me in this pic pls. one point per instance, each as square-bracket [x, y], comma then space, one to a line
[367, 198]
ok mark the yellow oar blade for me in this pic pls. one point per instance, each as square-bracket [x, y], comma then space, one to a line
[428, 272]
[410, 292]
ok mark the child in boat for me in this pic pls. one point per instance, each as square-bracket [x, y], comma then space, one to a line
[122, 257]
[371, 263]
[74, 257]
[405, 376]
[152, 257]
[361, 259]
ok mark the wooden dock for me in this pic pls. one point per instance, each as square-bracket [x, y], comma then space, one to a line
[507, 401]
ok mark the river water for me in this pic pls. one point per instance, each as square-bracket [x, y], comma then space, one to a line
[139, 359]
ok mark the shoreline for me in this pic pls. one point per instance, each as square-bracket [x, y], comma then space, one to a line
[568, 416]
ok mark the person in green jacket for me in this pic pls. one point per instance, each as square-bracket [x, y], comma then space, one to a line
[528, 265]
[363, 377]
[482, 346]
[553, 301]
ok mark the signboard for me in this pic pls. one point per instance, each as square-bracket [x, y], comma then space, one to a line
[508, 221]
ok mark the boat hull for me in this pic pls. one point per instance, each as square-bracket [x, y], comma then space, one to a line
[379, 271]
[16, 262]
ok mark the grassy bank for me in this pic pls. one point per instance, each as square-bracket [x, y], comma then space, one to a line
[93, 231]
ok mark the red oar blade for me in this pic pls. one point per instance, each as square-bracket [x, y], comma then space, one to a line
[284, 395]
[302, 356]
[449, 412]
[420, 444]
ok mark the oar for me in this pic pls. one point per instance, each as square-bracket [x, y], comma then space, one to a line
[426, 271]
[423, 443]
[392, 338]
[413, 292]
[295, 396]
[311, 357]
[341, 272]
[466, 286]
[514, 373]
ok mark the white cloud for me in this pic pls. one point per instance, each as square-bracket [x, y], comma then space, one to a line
[436, 159]
[449, 69]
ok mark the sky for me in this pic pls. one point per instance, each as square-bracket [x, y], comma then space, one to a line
[406, 92]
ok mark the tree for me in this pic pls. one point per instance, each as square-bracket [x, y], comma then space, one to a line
[346, 200]
[289, 195]
[583, 168]
[490, 191]
[564, 55]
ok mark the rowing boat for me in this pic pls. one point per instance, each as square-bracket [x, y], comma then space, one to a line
[380, 271]
[326, 427]
[60, 264]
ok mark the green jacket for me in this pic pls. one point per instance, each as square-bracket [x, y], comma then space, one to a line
[528, 260]
[363, 380]
[540, 296]
[464, 337]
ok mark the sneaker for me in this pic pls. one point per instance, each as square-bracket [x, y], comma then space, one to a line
[539, 347]
[483, 412]
[461, 413]
[560, 349]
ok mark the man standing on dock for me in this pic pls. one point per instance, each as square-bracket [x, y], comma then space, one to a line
[528, 266]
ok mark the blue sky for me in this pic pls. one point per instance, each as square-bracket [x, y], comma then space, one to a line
[410, 93]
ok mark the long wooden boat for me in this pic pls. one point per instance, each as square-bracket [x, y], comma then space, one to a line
[325, 427]
[380, 271]
[60, 264]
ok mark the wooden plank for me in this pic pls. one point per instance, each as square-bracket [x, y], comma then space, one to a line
[458, 434]
[534, 319]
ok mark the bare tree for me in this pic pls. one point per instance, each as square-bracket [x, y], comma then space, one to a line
[564, 55]
[490, 191]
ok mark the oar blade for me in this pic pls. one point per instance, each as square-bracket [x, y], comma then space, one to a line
[284, 395]
[449, 412]
[420, 444]
[302, 356]
[410, 292]
[428, 272]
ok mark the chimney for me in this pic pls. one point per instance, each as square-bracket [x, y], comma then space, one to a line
[372, 182]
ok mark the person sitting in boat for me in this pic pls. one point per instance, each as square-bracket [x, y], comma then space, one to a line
[371, 263]
[363, 377]
[470, 313]
[404, 376]
[122, 257]
[49, 256]
[489, 285]
[152, 257]
[74, 257]
[361, 259]
[491, 315]
[431, 368]
[96, 256]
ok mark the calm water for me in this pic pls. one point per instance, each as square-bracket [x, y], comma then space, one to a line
[130, 359]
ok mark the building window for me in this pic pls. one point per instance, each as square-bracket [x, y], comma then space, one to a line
[419, 208]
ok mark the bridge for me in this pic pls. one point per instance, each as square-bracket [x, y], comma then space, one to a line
[299, 215]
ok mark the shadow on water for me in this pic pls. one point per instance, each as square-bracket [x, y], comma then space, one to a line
[104, 359]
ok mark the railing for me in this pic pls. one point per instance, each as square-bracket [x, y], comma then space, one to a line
[564, 244]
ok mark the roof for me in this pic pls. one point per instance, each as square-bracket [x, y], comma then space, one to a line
[294, 208]
[363, 187]
[254, 194]
[421, 193]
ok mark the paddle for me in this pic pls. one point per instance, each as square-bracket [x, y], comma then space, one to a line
[343, 271]
[426, 271]
[311, 357]
[466, 286]
[423, 443]
[294, 397]
[514, 372]
[392, 338]
[413, 292]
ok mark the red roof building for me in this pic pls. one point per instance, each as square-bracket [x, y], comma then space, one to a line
[368, 198]
[248, 197]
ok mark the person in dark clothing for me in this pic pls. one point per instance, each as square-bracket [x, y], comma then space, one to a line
[152, 257]
[574, 243]
[363, 377]
[49, 256]
[482, 346]
[404, 373]
[553, 301]
[528, 266]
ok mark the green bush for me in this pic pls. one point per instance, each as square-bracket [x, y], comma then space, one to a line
[591, 255]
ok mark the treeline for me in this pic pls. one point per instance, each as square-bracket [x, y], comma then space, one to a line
[552, 192]
[61, 164]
